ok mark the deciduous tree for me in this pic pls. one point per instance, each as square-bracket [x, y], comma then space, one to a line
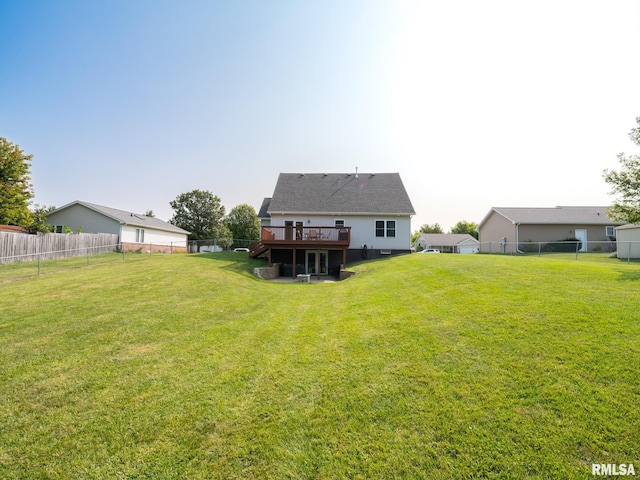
[466, 227]
[626, 184]
[39, 219]
[201, 213]
[244, 223]
[15, 187]
[435, 228]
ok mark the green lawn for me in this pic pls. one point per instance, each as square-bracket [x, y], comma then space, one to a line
[421, 366]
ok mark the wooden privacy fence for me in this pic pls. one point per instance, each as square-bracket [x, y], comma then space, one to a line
[19, 247]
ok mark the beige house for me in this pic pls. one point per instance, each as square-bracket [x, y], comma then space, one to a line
[628, 241]
[511, 230]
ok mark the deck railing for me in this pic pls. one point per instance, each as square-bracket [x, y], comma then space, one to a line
[306, 235]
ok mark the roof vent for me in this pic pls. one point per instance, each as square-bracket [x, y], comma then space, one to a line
[356, 172]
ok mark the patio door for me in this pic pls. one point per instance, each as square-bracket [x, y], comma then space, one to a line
[581, 234]
[317, 261]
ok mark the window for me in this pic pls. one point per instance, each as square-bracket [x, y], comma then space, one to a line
[610, 231]
[385, 228]
[339, 223]
[391, 228]
[139, 235]
[58, 229]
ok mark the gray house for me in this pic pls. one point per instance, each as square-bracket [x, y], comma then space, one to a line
[507, 229]
[314, 223]
[135, 231]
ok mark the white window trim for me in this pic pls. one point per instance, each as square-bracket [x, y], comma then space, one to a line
[385, 228]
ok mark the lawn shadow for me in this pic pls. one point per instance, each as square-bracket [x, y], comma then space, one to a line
[629, 275]
[235, 262]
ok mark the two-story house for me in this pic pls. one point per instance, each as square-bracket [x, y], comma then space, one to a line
[316, 222]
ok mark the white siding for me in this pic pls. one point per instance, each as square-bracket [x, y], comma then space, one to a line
[157, 237]
[363, 228]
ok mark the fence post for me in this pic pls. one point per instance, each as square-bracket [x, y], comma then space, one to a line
[38, 264]
[577, 248]
[88, 255]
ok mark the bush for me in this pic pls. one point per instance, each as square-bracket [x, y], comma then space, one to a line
[568, 245]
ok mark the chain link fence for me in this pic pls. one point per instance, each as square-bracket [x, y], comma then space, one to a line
[34, 264]
[625, 250]
[219, 245]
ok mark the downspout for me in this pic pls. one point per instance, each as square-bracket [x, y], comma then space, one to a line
[518, 238]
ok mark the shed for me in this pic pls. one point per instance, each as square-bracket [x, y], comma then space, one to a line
[628, 241]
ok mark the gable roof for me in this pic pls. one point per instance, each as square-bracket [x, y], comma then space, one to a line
[557, 215]
[447, 239]
[127, 218]
[340, 193]
[264, 208]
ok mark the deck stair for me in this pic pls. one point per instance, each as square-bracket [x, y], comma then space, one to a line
[256, 249]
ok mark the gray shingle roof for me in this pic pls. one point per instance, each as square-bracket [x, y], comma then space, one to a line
[340, 193]
[448, 239]
[264, 208]
[129, 218]
[557, 215]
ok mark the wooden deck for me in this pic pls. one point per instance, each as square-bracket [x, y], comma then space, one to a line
[306, 237]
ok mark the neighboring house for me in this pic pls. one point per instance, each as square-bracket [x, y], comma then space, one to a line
[135, 231]
[314, 223]
[448, 242]
[628, 241]
[507, 230]
[12, 229]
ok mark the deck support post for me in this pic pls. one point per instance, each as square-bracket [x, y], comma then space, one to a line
[294, 263]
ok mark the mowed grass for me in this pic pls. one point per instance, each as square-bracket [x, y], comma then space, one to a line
[421, 366]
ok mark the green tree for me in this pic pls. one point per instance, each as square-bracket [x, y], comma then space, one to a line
[201, 213]
[626, 184]
[244, 223]
[15, 188]
[39, 219]
[466, 227]
[435, 228]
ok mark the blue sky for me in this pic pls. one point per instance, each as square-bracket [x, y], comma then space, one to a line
[475, 104]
